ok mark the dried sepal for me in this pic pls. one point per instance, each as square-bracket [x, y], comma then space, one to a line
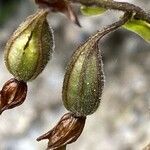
[62, 6]
[84, 79]
[0, 102]
[65, 132]
[60, 148]
[147, 147]
[30, 47]
[12, 94]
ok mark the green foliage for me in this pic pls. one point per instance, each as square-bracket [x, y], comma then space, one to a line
[90, 11]
[140, 27]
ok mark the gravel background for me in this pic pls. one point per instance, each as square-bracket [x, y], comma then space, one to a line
[122, 122]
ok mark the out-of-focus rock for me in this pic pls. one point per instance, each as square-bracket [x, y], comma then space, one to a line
[121, 123]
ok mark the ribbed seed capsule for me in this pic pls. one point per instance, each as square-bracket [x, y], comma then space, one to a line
[30, 47]
[84, 79]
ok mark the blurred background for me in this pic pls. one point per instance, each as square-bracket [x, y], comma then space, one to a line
[122, 121]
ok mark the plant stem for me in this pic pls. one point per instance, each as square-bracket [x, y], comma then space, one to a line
[112, 27]
[122, 6]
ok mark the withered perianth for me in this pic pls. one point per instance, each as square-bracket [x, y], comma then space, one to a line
[12, 94]
[65, 132]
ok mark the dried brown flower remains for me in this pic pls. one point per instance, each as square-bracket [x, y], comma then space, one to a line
[65, 132]
[12, 94]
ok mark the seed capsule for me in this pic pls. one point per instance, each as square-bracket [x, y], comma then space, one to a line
[30, 47]
[12, 94]
[84, 79]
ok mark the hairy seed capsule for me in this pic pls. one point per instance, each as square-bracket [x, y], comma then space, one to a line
[84, 79]
[30, 47]
[12, 94]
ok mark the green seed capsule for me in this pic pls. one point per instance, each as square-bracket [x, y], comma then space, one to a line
[30, 47]
[84, 79]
